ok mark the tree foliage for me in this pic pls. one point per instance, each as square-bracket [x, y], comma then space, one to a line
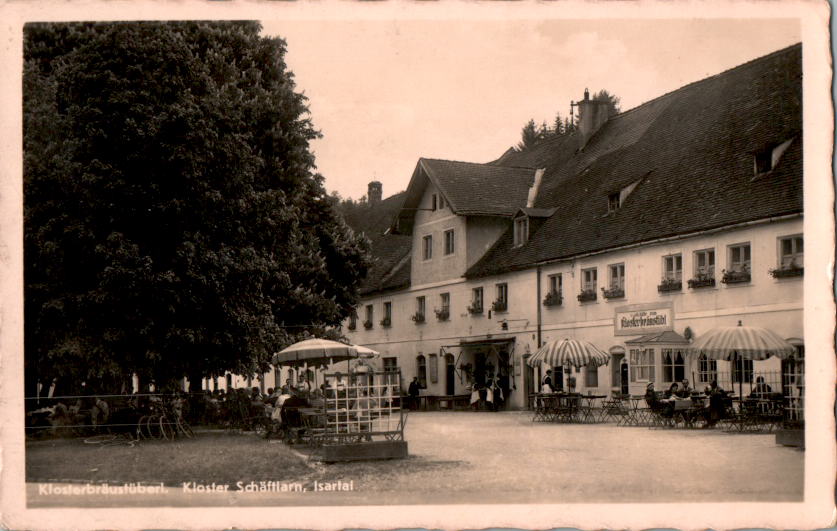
[532, 135]
[174, 224]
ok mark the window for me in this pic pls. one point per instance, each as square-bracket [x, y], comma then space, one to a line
[444, 302]
[742, 371]
[767, 159]
[591, 376]
[705, 263]
[739, 257]
[673, 267]
[642, 365]
[427, 247]
[556, 284]
[387, 320]
[521, 231]
[613, 202]
[433, 202]
[441, 202]
[353, 320]
[370, 316]
[791, 252]
[589, 279]
[674, 368]
[421, 370]
[476, 301]
[450, 243]
[390, 364]
[617, 277]
[434, 368]
[502, 301]
[420, 308]
[707, 369]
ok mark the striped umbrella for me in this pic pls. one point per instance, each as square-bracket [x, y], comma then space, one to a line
[734, 343]
[573, 352]
[318, 352]
[741, 342]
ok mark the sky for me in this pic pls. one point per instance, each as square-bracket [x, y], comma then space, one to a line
[385, 92]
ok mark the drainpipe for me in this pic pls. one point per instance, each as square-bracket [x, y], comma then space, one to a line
[538, 302]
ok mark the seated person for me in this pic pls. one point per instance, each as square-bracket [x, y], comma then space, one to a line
[651, 398]
[761, 390]
[290, 409]
[685, 390]
[673, 391]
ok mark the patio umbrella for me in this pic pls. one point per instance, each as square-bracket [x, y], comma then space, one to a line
[733, 343]
[573, 352]
[315, 352]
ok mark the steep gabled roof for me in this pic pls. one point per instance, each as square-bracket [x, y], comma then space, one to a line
[691, 155]
[471, 189]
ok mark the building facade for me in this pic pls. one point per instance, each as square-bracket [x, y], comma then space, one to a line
[638, 233]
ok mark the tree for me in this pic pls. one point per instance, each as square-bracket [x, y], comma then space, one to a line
[174, 225]
[604, 95]
[529, 136]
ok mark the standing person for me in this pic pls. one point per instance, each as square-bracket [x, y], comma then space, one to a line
[489, 393]
[546, 383]
[413, 391]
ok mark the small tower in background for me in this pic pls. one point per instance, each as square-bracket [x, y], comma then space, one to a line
[375, 193]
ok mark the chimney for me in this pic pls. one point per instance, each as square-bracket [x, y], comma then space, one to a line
[592, 114]
[376, 191]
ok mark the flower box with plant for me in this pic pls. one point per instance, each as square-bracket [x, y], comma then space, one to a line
[670, 284]
[734, 276]
[499, 306]
[787, 271]
[613, 293]
[475, 308]
[352, 326]
[587, 295]
[367, 324]
[443, 314]
[553, 298]
[702, 280]
[418, 317]
[386, 322]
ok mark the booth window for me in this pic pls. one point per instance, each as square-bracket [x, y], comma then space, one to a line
[642, 365]
[707, 369]
[421, 370]
[674, 369]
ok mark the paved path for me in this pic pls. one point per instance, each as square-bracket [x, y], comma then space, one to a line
[462, 457]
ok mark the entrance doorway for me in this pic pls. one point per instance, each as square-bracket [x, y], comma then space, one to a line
[619, 373]
[450, 375]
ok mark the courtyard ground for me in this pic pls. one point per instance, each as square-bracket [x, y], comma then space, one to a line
[459, 457]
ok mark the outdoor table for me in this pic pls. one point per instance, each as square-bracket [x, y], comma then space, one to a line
[589, 411]
[636, 416]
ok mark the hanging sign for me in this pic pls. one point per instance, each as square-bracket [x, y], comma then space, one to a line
[643, 319]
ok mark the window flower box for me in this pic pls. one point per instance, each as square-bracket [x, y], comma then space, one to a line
[670, 284]
[587, 295]
[443, 314]
[418, 317]
[367, 324]
[499, 306]
[553, 298]
[701, 281]
[386, 322]
[352, 326]
[735, 277]
[475, 309]
[613, 293]
[788, 271]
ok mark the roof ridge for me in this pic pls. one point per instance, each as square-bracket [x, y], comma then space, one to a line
[741, 66]
[486, 164]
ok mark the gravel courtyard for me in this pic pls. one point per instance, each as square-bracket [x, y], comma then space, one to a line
[463, 457]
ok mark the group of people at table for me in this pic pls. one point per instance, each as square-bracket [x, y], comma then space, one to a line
[682, 402]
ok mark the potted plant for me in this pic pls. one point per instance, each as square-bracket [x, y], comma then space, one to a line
[443, 314]
[586, 295]
[613, 293]
[418, 317]
[670, 284]
[499, 306]
[553, 298]
[367, 324]
[386, 322]
[352, 325]
[736, 276]
[702, 280]
[475, 308]
[790, 270]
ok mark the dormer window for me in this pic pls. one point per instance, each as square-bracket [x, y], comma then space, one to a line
[521, 231]
[613, 202]
[433, 202]
[766, 160]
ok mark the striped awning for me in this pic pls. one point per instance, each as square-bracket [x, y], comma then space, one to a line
[572, 352]
[741, 342]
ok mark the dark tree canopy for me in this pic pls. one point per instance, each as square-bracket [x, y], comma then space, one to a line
[174, 223]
